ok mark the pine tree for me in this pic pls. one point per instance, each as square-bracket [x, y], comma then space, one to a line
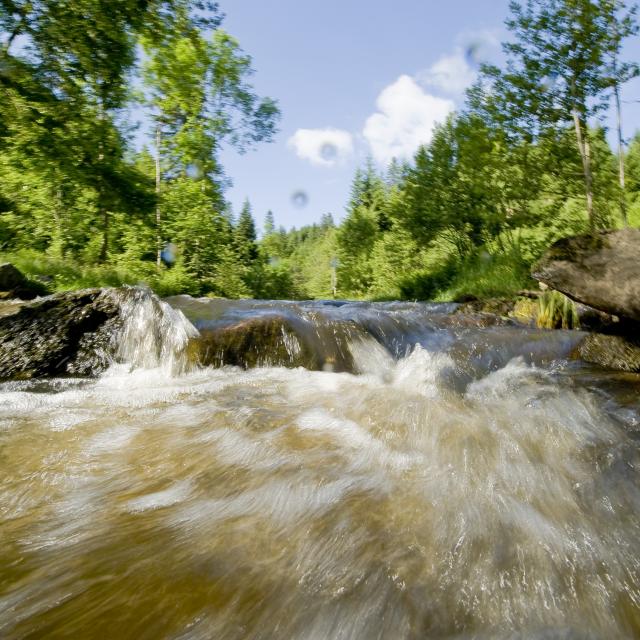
[269, 224]
[245, 235]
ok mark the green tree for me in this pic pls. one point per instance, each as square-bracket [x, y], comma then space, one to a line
[69, 73]
[623, 25]
[633, 179]
[367, 217]
[199, 93]
[556, 73]
[269, 224]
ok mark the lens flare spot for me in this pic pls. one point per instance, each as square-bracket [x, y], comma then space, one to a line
[194, 171]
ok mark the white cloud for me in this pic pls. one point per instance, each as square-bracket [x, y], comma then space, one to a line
[455, 72]
[405, 119]
[451, 74]
[323, 147]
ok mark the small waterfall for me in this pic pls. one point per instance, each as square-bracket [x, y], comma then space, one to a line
[153, 333]
[361, 337]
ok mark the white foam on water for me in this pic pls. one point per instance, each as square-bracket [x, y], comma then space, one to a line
[110, 441]
[69, 420]
[305, 504]
[363, 448]
[282, 502]
[235, 448]
[507, 380]
[419, 372]
[178, 492]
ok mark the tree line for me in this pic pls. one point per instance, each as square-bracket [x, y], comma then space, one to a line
[525, 161]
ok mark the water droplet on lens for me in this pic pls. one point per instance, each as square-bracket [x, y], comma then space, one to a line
[549, 82]
[329, 151]
[472, 53]
[300, 199]
[194, 171]
[478, 51]
[168, 254]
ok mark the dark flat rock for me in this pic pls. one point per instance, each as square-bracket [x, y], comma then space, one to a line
[64, 334]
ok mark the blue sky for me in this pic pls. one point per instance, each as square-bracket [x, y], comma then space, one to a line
[355, 78]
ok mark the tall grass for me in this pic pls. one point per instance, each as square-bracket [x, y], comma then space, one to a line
[556, 311]
[60, 274]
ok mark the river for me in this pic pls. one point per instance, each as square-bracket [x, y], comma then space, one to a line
[429, 478]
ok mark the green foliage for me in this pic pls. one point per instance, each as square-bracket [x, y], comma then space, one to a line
[499, 181]
[633, 166]
[562, 62]
[245, 235]
[60, 274]
[70, 187]
[487, 275]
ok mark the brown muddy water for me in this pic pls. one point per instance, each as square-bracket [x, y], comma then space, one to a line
[460, 483]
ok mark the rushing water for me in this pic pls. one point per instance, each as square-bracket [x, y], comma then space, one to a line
[461, 483]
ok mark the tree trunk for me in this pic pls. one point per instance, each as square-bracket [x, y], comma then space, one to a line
[104, 250]
[158, 211]
[102, 209]
[585, 155]
[623, 195]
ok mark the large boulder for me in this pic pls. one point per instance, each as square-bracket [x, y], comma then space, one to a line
[600, 270]
[10, 277]
[65, 334]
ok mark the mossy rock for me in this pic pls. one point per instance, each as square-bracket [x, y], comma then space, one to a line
[525, 311]
[493, 312]
[610, 351]
[269, 340]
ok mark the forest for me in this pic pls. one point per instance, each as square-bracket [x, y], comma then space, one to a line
[527, 159]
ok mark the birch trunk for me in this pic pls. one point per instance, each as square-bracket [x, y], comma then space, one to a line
[621, 176]
[585, 155]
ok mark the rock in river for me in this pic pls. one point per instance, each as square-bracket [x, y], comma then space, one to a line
[602, 271]
[610, 351]
[64, 334]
